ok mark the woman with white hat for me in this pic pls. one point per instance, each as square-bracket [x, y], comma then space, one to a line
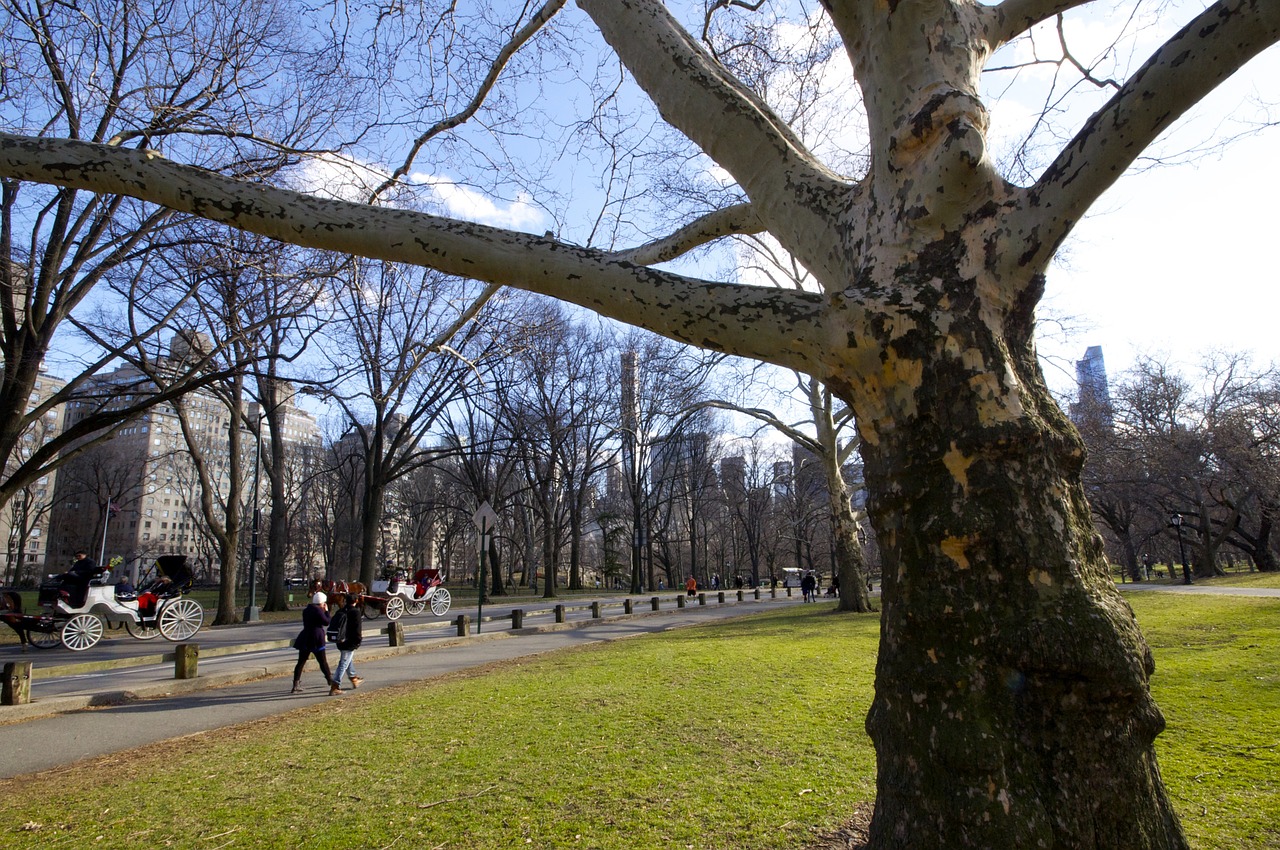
[310, 641]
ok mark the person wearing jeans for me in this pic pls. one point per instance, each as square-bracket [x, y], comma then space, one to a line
[348, 627]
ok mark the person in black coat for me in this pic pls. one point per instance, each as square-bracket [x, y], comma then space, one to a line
[76, 580]
[346, 630]
[310, 641]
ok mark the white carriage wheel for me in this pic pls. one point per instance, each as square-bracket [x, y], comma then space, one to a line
[180, 618]
[42, 639]
[81, 632]
[416, 607]
[395, 608]
[440, 602]
[140, 631]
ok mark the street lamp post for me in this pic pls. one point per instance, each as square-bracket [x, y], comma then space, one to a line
[251, 612]
[1176, 522]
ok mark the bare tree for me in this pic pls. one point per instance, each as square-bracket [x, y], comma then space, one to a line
[931, 263]
[401, 354]
[193, 82]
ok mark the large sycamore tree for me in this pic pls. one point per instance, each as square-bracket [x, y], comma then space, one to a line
[1012, 705]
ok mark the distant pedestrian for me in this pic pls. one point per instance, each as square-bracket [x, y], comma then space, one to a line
[691, 586]
[346, 629]
[310, 641]
[808, 585]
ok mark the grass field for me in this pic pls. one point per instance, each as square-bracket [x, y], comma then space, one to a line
[745, 735]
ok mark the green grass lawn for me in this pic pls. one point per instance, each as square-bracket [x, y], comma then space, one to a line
[747, 734]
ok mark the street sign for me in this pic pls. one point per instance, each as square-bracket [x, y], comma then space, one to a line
[485, 518]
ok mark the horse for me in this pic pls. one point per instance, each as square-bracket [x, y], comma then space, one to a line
[11, 615]
[334, 589]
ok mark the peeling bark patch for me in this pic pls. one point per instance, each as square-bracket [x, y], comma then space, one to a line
[954, 548]
[958, 465]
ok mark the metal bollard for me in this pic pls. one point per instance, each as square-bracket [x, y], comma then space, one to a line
[17, 683]
[395, 633]
[517, 618]
[186, 658]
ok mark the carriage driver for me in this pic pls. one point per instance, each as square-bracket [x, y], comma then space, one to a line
[76, 580]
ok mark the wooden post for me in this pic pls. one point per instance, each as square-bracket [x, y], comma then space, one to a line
[464, 625]
[559, 613]
[595, 610]
[720, 597]
[17, 683]
[680, 601]
[627, 606]
[740, 596]
[653, 603]
[186, 657]
[517, 618]
[757, 591]
[702, 599]
[395, 633]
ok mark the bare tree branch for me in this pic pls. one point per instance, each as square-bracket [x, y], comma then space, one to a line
[730, 221]
[724, 317]
[1212, 47]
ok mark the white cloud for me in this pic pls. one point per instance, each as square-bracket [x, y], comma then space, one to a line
[341, 178]
[466, 203]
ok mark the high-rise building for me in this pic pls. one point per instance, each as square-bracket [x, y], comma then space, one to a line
[1093, 398]
[137, 495]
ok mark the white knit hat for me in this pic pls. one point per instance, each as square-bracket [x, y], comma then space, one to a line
[319, 598]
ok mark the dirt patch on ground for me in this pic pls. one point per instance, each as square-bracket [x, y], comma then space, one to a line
[851, 835]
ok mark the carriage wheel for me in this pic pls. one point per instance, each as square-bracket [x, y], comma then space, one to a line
[371, 609]
[416, 607]
[45, 639]
[180, 619]
[395, 608]
[440, 602]
[81, 632]
[137, 629]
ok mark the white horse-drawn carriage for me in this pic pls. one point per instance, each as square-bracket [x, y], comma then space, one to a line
[76, 616]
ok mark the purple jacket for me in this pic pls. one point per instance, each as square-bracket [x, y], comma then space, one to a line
[314, 621]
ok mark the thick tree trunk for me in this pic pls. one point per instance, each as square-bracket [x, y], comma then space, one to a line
[1012, 706]
[1263, 558]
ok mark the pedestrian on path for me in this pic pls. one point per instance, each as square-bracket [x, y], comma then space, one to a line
[310, 641]
[346, 628]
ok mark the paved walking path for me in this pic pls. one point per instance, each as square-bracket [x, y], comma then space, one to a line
[1216, 590]
[132, 706]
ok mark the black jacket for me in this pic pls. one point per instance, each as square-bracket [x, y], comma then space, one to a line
[354, 627]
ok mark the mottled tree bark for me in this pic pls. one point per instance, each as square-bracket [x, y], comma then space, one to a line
[1012, 706]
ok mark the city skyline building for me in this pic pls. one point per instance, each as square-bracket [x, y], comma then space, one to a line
[1093, 393]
